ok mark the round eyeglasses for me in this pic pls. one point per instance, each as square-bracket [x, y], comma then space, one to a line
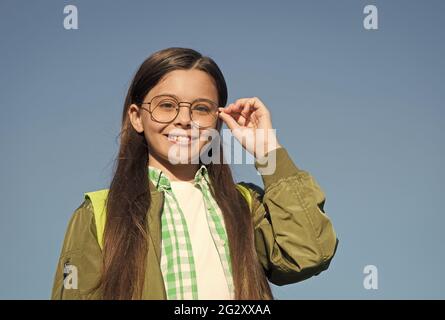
[165, 109]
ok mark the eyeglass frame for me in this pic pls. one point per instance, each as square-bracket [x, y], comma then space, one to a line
[178, 105]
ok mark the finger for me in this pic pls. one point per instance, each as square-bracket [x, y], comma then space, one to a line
[250, 111]
[239, 104]
[229, 120]
[236, 107]
[229, 110]
[236, 111]
[226, 109]
[245, 112]
[256, 105]
[247, 107]
[254, 120]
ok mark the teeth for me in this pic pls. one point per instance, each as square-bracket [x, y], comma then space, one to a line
[183, 139]
[180, 139]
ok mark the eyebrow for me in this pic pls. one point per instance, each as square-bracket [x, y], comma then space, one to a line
[177, 98]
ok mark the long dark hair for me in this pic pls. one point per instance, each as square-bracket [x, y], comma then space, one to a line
[125, 237]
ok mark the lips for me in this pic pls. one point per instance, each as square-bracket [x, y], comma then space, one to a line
[180, 139]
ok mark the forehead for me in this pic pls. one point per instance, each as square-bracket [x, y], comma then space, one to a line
[187, 85]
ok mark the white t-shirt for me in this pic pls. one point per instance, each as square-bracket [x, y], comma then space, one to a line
[209, 271]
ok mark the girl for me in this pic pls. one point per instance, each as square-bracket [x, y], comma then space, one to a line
[169, 229]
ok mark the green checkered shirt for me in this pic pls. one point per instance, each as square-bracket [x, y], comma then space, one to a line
[177, 262]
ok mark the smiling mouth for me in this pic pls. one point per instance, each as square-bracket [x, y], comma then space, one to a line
[182, 140]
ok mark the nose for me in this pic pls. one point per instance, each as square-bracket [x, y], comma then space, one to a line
[183, 118]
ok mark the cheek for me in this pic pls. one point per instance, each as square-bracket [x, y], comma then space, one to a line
[152, 132]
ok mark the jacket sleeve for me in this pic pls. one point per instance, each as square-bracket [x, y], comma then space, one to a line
[80, 258]
[294, 238]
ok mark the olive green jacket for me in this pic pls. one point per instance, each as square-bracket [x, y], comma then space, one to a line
[294, 238]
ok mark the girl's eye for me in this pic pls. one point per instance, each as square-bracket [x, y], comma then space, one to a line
[201, 108]
[167, 105]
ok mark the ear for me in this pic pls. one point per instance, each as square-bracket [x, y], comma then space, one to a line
[134, 115]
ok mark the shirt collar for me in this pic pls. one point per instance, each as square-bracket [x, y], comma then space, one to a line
[162, 182]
